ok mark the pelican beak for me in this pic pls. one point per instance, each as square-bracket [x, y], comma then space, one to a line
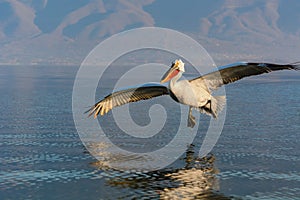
[173, 71]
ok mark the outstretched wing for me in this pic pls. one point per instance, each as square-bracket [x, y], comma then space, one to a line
[146, 91]
[236, 71]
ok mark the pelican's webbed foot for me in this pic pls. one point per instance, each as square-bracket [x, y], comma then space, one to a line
[191, 119]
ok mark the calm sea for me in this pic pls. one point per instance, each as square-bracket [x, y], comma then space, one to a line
[42, 157]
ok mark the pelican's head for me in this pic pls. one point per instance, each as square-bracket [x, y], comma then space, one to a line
[176, 67]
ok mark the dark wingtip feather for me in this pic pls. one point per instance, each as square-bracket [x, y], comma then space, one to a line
[296, 67]
[91, 110]
[85, 112]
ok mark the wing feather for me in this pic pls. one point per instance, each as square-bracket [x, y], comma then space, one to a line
[125, 96]
[237, 71]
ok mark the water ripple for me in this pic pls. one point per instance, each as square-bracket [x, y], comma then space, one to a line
[11, 179]
[260, 175]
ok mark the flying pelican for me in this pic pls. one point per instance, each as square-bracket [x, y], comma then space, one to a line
[195, 93]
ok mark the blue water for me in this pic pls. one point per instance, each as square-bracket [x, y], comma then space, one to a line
[42, 157]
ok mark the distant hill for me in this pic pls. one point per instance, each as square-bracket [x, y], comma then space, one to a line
[63, 32]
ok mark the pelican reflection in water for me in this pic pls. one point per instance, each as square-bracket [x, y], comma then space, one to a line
[195, 93]
[196, 180]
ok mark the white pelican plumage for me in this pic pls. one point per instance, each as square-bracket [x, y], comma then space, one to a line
[195, 93]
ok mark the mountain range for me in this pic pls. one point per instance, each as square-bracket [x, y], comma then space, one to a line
[64, 31]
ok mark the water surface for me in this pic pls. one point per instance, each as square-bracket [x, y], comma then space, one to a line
[256, 157]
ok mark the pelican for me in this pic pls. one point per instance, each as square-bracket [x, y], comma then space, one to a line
[195, 93]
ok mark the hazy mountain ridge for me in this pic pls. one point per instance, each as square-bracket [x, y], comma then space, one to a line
[242, 20]
[37, 31]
